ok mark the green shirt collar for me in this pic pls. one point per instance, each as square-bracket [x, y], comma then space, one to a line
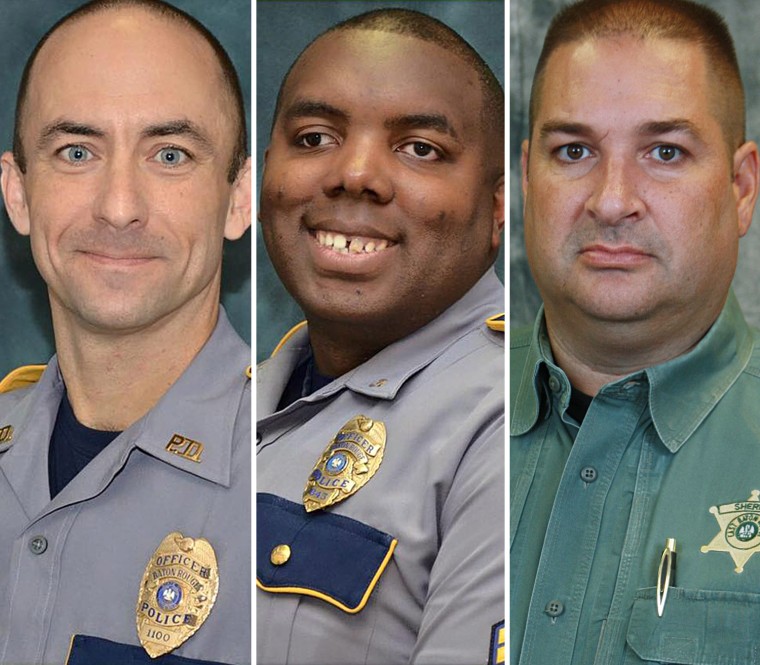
[682, 391]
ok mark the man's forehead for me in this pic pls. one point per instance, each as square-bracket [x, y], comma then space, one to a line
[135, 33]
[115, 55]
[375, 61]
[595, 72]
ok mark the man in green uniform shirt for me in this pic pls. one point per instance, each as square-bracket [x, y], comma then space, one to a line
[635, 394]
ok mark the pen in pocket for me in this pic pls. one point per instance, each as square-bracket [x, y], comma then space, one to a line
[666, 574]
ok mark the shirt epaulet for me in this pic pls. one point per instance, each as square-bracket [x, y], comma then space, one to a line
[496, 322]
[21, 377]
[286, 337]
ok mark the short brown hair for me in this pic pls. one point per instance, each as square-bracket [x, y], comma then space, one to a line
[665, 19]
[159, 8]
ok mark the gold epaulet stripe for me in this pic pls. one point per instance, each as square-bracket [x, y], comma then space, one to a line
[21, 377]
[496, 322]
[287, 336]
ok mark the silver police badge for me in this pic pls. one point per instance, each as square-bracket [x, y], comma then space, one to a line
[177, 592]
[349, 461]
[739, 533]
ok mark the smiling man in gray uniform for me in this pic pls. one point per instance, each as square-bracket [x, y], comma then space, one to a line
[381, 423]
[124, 472]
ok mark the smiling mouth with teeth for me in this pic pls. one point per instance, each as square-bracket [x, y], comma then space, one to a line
[351, 244]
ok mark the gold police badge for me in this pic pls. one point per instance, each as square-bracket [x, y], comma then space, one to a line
[739, 533]
[177, 592]
[349, 461]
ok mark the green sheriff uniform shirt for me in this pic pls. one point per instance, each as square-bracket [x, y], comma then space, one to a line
[672, 451]
[410, 567]
[71, 569]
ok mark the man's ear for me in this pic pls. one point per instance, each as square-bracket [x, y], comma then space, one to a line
[14, 194]
[746, 174]
[239, 213]
[498, 213]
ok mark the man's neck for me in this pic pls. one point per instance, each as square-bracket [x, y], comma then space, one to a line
[114, 379]
[593, 355]
[336, 353]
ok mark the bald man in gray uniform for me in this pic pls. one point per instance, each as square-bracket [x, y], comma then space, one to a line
[380, 426]
[125, 463]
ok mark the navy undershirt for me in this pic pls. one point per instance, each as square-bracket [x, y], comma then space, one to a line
[72, 446]
[304, 380]
[579, 405]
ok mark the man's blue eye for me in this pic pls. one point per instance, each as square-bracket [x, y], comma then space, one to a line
[77, 153]
[171, 156]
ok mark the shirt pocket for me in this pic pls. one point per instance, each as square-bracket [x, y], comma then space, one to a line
[331, 557]
[89, 650]
[697, 628]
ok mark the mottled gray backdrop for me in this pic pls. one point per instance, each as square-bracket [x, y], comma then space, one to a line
[25, 330]
[283, 29]
[529, 20]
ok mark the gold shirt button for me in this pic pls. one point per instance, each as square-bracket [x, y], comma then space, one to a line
[280, 555]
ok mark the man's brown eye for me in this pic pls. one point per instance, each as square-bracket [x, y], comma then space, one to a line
[575, 151]
[666, 153]
[313, 140]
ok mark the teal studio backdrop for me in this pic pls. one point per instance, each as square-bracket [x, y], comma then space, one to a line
[26, 335]
[283, 29]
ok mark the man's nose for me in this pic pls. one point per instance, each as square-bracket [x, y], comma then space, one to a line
[362, 168]
[120, 199]
[615, 197]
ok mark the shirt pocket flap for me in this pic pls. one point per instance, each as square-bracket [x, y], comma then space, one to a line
[696, 628]
[332, 557]
[89, 650]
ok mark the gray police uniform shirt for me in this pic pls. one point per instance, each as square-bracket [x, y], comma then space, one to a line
[672, 451]
[74, 565]
[345, 595]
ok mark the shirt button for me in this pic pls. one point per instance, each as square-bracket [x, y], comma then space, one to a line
[554, 608]
[554, 384]
[38, 544]
[280, 555]
[588, 474]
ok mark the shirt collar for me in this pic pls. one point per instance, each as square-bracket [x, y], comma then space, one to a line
[682, 391]
[382, 376]
[201, 406]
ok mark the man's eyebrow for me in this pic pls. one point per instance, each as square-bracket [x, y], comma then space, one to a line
[54, 129]
[303, 108]
[435, 121]
[561, 127]
[652, 128]
[184, 128]
[681, 125]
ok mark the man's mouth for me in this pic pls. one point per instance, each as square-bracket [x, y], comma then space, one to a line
[346, 244]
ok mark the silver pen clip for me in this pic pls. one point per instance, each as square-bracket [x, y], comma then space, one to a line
[666, 574]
